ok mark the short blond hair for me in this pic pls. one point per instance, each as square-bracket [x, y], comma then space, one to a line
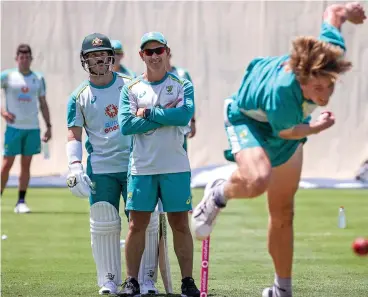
[311, 58]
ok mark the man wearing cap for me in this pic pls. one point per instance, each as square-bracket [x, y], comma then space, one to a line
[25, 90]
[119, 55]
[156, 109]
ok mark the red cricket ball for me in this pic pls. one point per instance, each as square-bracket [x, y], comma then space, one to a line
[329, 113]
[360, 246]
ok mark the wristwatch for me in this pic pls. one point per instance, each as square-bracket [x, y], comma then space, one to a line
[146, 113]
[48, 125]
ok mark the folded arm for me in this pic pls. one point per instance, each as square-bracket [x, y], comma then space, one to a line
[129, 123]
[178, 116]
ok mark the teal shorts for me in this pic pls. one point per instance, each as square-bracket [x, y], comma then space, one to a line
[244, 132]
[108, 187]
[173, 189]
[26, 142]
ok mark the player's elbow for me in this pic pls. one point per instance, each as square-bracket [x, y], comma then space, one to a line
[185, 119]
[125, 127]
[125, 130]
[182, 122]
[287, 136]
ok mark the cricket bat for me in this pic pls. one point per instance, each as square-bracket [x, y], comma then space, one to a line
[163, 255]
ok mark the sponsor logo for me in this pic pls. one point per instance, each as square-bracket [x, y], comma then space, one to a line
[25, 89]
[71, 181]
[111, 126]
[111, 110]
[24, 98]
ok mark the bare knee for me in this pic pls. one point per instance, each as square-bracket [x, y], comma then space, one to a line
[7, 164]
[282, 218]
[138, 221]
[25, 165]
[179, 222]
[259, 184]
[254, 184]
[254, 172]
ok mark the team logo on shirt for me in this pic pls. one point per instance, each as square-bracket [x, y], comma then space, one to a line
[93, 100]
[141, 94]
[25, 89]
[243, 136]
[96, 42]
[119, 88]
[111, 110]
[169, 90]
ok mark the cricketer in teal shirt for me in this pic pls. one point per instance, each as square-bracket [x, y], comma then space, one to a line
[270, 100]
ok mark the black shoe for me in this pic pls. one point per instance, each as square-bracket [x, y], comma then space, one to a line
[130, 288]
[188, 288]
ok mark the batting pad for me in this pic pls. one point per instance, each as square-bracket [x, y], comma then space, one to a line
[105, 227]
[149, 262]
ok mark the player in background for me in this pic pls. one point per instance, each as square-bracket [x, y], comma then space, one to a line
[159, 164]
[267, 122]
[25, 93]
[119, 55]
[362, 174]
[182, 74]
[94, 107]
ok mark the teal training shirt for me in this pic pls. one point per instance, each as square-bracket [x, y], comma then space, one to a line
[270, 94]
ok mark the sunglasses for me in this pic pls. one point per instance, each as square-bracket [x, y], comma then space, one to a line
[157, 51]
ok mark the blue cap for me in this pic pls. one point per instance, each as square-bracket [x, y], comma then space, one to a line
[153, 36]
[118, 47]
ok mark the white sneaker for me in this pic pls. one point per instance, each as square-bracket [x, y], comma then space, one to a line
[109, 288]
[21, 208]
[148, 288]
[267, 292]
[205, 213]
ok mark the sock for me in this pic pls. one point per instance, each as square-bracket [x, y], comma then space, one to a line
[282, 287]
[218, 194]
[21, 197]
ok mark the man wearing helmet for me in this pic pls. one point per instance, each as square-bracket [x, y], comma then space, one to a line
[94, 107]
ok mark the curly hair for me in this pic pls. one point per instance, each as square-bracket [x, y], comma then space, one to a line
[311, 57]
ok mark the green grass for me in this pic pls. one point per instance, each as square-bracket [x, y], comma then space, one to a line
[48, 252]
